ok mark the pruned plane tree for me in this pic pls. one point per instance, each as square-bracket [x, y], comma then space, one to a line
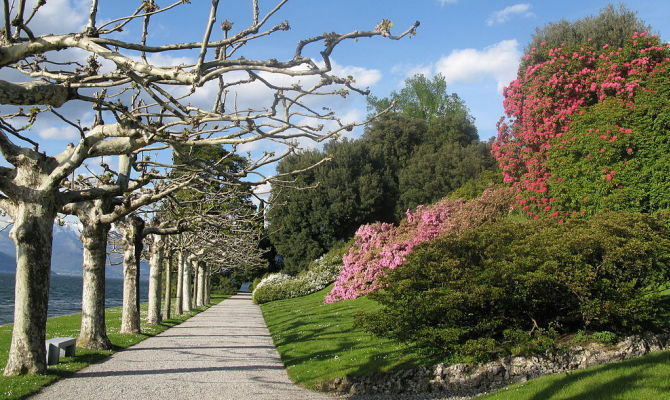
[137, 104]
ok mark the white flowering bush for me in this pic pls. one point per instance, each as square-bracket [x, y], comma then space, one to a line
[321, 272]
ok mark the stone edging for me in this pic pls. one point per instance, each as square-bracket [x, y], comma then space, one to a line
[469, 380]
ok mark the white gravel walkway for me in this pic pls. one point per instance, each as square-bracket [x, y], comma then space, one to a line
[225, 352]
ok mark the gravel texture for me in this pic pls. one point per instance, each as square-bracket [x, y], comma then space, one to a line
[223, 353]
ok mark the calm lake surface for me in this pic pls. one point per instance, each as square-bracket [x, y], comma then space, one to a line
[64, 295]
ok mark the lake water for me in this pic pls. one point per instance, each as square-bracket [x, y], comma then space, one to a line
[64, 295]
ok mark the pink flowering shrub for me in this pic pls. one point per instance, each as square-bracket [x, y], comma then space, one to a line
[581, 125]
[381, 247]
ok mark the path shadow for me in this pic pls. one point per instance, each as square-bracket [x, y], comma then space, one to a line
[257, 367]
[616, 387]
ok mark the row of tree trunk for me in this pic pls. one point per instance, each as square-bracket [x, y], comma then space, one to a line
[192, 289]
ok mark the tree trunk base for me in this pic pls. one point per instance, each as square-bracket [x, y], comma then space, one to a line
[94, 343]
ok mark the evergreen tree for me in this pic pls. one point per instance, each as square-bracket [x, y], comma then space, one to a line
[424, 148]
[614, 26]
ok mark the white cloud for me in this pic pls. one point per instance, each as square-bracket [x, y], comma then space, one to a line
[409, 70]
[363, 77]
[253, 146]
[500, 61]
[167, 60]
[444, 2]
[59, 133]
[59, 16]
[504, 15]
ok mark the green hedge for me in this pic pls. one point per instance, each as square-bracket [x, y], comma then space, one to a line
[516, 285]
[319, 274]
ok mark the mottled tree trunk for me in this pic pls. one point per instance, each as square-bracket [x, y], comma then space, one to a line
[93, 332]
[200, 298]
[187, 285]
[131, 229]
[179, 300]
[155, 275]
[208, 285]
[32, 233]
[167, 300]
[194, 281]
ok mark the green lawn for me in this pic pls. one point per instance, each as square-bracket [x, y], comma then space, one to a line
[318, 341]
[642, 378]
[12, 388]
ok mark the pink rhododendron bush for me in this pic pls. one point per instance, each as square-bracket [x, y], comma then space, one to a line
[588, 129]
[381, 247]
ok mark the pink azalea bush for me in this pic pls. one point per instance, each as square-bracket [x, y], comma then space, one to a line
[381, 247]
[541, 106]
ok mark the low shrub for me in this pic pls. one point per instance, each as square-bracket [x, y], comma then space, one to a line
[223, 285]
[380, 247]
[512, 286]
[255, 283]
[319, 274]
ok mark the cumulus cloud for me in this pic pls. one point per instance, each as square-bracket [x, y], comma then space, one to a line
[504, 15]
[444, 2]
[499, 61]
[59, 133]
[363, 77]
[58, 16]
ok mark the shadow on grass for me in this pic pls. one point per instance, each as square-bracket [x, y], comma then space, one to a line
[21, 387]
[617, 387]
[319, 342]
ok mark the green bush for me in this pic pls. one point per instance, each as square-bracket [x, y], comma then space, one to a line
[475, 187]
[320, 273]
[633, 174]
[255, 282]
[223, 285]
[515, 286]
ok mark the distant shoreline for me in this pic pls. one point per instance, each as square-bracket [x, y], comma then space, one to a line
[65, 292]
[143, 278]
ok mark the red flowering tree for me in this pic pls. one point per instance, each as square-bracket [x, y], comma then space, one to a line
[587, 129]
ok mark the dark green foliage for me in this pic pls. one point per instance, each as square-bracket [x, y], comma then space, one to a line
[475, 187]
[614, 26]
[216, 162]
[425, 148]
[223, 285]
[434, 171]
[640, 161]
[517, 285]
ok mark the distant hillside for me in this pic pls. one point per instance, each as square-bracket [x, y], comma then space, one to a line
[67, 255]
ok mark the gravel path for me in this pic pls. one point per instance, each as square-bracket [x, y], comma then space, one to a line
[225, 352]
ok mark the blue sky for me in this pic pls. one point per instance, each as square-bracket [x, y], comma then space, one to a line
[475, 44]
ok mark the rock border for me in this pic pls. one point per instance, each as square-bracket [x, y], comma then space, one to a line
[473, 379]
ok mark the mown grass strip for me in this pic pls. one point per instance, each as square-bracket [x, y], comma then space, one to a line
[14, 388]
[319, 341]
[640, 378]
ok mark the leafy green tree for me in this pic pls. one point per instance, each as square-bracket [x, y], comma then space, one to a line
[614, 26]
[296, 220]
[421, 98]
[432, 172]
[424, 148]
[228, 170]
